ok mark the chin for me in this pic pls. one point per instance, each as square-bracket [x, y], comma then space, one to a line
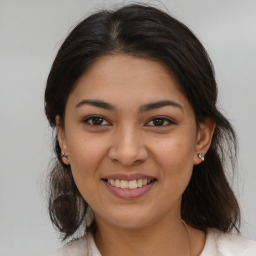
[127, 219]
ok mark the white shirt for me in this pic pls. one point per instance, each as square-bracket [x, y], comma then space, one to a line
[217, 244]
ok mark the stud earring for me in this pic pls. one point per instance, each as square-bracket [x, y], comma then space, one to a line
[201, 156]
[65, 156]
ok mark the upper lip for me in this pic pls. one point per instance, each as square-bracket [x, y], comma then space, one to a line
[132, 176]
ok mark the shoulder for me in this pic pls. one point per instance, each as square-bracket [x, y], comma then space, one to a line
[83, 246]
[225, 244]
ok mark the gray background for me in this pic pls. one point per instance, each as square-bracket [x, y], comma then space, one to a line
[30, 34]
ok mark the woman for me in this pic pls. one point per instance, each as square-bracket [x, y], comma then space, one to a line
[139, 141]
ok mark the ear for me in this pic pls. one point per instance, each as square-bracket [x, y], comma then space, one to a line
[204, 138]
[62, 139]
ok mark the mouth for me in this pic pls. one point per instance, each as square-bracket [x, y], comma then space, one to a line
[129, 188]
[129, 184]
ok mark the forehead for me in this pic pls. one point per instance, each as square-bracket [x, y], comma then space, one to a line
[124, 79]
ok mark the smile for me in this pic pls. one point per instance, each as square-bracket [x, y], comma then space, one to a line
[130, 187]
[131, 184]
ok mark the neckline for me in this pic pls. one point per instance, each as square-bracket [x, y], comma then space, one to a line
[209, 246]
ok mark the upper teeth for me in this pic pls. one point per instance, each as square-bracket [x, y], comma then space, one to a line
[131, 184]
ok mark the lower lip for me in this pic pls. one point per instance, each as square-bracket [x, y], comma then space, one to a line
[126, 193]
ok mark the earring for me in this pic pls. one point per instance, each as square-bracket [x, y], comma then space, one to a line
[65, 156]
[201, 156]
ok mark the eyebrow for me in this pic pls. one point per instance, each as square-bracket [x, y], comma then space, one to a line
[160, 104]
[96, 103]
[143, 108]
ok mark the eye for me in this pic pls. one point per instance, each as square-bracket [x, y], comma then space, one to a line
[160, 121]
[96, 121]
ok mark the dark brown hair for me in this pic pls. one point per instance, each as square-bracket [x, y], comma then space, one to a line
[145, 32]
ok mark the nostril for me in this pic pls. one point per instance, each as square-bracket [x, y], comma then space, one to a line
[128, 155]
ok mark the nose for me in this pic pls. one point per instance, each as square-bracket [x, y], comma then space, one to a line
[128, 147]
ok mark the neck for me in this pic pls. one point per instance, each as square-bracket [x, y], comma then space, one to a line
[158, 239]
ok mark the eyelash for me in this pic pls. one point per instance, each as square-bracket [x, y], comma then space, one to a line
[165, 121]
[89, 119]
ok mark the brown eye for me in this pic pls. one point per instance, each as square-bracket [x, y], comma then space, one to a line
[160, 121]
[96, 121]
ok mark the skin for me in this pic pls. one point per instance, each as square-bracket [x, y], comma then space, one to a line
[126, 140]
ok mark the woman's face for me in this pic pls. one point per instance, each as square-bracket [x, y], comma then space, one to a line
[132, 141]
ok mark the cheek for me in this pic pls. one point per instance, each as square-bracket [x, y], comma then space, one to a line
[85, 157]
[175, 158]
[176, 151]
[85, 152]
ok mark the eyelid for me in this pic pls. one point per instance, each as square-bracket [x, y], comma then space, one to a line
[168, 119]
[87, 118]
